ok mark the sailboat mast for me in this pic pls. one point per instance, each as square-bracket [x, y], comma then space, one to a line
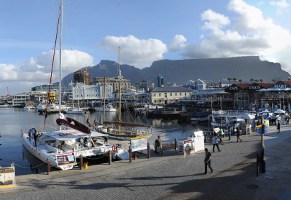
[119, 93]
[60, 58]
[104, 96]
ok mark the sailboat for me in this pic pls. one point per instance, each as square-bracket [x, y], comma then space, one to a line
[75, 110]
[61, 148]
[123, 130]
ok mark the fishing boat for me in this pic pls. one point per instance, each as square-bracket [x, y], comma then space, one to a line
[201, 116]
[62, 147]
[224, 118]
[75, 110]
[107, 108]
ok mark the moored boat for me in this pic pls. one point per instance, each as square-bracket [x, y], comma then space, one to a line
[46, 150]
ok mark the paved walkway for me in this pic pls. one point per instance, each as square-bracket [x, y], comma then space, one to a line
[173, 176]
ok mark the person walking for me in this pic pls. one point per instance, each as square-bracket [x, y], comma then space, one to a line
[237, 135]
[229, 132]
[278, 126]
[215, 142]
[207, 161]
[158, 145]
[33, 132]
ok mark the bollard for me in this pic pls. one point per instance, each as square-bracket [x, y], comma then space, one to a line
[176, 144]
[109, 157]
[257, 167]
[130, 154]
[263, 166]
[148, 150]
[81, 162]
[48, 168]
[85, 165]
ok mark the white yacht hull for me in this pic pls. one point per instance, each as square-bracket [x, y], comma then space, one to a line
[42, 154]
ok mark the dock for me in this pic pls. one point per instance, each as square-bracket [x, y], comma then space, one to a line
[174, 176]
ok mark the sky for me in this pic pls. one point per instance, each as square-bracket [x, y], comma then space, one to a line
[145, 31]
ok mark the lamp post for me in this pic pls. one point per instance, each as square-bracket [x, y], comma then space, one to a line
[262, 150]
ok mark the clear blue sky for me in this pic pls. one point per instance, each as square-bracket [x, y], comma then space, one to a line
[146, 30]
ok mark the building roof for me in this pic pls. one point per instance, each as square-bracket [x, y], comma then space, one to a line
[171, 89]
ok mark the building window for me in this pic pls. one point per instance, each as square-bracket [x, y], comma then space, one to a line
[175, 94]
[159, 94]
[171, 94]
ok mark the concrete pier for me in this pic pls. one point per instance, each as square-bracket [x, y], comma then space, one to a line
[173, 176]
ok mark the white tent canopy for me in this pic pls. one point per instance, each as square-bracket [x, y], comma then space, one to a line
[279, 111]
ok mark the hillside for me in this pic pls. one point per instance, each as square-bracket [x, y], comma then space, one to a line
[181, 71]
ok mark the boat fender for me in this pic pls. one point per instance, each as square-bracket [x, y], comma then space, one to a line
[113, 148]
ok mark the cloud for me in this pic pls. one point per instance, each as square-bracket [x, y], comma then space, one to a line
[282, 6]
[214, 21]
[37, 70]
[137, 52]
[178, 43]
[248, 32]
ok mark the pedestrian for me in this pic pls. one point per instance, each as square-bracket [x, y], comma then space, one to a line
[215, 142]
[158, 145]
[278, 126]
[34, 135]
[229, 132]
[237, 135]
[29, 134]
[207, 161]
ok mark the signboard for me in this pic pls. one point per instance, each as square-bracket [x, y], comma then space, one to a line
[7, 177]
[138, 143]
[266, 127]
[280, 86]
[254, 87]
[234, 88]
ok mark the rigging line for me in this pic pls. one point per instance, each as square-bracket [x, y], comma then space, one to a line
[52, 67]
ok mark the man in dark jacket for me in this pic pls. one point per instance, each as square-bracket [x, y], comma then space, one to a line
[207, 161]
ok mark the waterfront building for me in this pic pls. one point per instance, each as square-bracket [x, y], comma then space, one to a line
[20, 99]
[45, 87]
[168, 95]
[216, 98]
[81, 91]
[277, 97]
[82, 76]
[135, 96]
[114, 82]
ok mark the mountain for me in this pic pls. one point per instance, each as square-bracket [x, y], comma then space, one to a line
[181, 71]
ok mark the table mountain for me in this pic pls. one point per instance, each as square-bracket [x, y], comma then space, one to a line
[181, 71]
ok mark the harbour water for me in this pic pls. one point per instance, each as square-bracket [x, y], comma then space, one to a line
[14, 120]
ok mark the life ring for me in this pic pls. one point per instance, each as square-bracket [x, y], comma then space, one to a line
[113, 148]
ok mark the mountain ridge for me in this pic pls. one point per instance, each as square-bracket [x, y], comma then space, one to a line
[181, 71]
